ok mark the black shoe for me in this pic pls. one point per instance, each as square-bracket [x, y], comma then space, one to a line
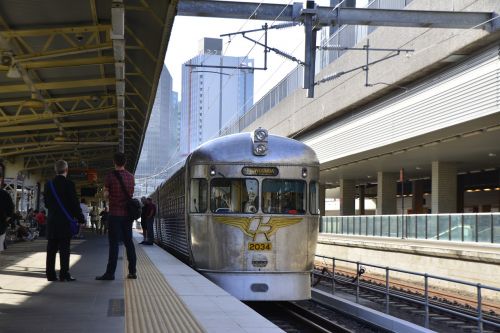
[52, 278]
[148, 243]
[68, 278]
[143, 242]
[132, 276]
[105, 277]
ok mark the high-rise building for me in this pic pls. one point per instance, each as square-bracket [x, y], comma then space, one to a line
[213, 96]
[161, 141]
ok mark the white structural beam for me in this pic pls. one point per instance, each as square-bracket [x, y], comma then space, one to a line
[328, 16]
[118, 37]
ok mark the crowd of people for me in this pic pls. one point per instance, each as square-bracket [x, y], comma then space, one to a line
[65, 217]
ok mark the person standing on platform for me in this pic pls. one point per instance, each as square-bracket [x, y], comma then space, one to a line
[94, 219]
[119, 188]
[6, 209]
[61, 201]
[41, 220]
[144, 214]
[85, 212]
[103, 226]
[150, 217]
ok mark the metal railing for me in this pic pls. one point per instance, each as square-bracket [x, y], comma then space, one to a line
[466, 227]
[422, 299]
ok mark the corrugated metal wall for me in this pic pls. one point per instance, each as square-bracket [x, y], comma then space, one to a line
[468, 91]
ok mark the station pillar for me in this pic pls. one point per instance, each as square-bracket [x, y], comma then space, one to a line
[322, 198]
[417, 199]
[444, 187]
[347, 197]
[386, 192]
[361, 199]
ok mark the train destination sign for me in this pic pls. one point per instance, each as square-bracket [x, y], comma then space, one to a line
[259, 171]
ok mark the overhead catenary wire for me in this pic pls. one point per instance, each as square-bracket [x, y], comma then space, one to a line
[246, 57]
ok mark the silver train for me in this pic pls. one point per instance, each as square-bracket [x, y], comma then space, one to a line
[244, 211]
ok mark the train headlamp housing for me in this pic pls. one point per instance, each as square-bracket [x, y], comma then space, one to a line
[260, 136]
[304, 172]
[212, 170]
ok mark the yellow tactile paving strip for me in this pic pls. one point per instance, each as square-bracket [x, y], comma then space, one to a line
[151, 305]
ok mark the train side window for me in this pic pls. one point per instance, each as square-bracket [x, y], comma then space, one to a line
[281, 196]
[199, 189]
[229, 196]
[314, 198]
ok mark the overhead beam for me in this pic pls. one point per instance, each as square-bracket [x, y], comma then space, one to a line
[58, 85]
[70, 134]
[64, 63]
[404, 18]
[50, 100]
[327, 16]
[55, 30]
[57, 146]
[69, 124]
[236, 10]
[20, 119]
[105, 141]
[63, 52]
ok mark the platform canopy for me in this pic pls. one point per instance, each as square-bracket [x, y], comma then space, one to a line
[78, 79]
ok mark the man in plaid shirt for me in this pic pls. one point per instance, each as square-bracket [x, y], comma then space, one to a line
[119, 222]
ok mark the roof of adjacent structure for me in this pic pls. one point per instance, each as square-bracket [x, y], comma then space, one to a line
[58, 79]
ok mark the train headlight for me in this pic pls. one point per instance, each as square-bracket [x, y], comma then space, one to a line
[304, 172]
[260, 149]
[260, 136]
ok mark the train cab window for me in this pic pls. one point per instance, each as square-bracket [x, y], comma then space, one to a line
[314, 198]
[229, 196]
[284, 196]
[199, 193]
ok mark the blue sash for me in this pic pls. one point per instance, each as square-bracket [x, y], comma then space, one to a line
[72, 222]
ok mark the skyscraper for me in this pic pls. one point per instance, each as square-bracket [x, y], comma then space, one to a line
[161, 141]
[212, 96]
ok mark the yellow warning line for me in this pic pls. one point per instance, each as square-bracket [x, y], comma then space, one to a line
[151, 305]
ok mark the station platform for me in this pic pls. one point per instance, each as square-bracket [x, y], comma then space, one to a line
[168, 296]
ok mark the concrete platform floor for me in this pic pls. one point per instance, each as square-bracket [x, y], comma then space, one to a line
[168, 296]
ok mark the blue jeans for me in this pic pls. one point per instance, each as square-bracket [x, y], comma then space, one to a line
[120, 228]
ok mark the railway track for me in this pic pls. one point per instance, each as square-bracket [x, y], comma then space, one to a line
[405, 299]
[309, 317]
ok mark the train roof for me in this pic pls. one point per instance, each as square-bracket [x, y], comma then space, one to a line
[238, 148]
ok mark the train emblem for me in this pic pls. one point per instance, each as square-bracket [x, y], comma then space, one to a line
[260, 228]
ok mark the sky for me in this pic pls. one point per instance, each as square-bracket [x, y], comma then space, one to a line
[188, 31]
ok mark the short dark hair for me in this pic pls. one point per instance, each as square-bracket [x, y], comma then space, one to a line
[60, 167]
[119, 159]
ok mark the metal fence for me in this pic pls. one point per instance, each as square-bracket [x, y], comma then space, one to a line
[467, 227]
[424, 300]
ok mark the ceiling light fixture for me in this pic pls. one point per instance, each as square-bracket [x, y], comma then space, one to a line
[13, 72]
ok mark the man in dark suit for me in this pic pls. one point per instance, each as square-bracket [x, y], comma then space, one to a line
[58, 225]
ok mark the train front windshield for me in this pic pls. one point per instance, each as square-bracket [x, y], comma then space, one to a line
[283, 196]
[240, 195]
[234, 195]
